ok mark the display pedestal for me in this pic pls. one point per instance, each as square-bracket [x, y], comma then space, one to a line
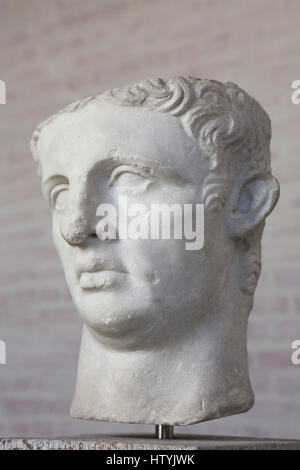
[144, 442]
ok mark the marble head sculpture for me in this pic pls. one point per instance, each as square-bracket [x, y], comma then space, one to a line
[164, 328]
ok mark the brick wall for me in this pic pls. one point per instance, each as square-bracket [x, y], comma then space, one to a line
[53, 52]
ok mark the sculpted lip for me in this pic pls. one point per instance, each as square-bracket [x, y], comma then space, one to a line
[101, 279]
[99, 275]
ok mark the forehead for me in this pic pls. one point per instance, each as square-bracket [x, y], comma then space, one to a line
[77, 141]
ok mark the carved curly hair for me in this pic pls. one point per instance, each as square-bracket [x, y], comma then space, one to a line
[230, 127]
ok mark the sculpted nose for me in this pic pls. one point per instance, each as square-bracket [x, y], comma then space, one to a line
[75, 230]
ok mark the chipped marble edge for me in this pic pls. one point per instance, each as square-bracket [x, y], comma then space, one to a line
[123, 443]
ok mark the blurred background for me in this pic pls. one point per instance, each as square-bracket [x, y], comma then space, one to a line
[53, 52]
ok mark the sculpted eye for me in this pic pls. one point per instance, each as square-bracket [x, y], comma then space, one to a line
[58, 196]
[131, 180]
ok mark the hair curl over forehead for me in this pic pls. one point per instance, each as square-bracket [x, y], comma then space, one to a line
[230, 127]
[219, 115]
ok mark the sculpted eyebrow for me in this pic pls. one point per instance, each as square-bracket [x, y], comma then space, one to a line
[52, 181]
[116, 157]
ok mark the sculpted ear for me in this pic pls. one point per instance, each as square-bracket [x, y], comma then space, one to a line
[251, 203]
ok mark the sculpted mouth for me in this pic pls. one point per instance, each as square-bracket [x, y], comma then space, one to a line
[101, 279]
[100, 274]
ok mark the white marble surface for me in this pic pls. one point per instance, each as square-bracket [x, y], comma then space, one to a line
[164, 338]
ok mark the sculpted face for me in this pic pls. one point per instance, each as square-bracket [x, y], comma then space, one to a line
[164, 339]
[127, 291]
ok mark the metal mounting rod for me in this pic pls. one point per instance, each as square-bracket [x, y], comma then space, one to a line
[164, 431]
